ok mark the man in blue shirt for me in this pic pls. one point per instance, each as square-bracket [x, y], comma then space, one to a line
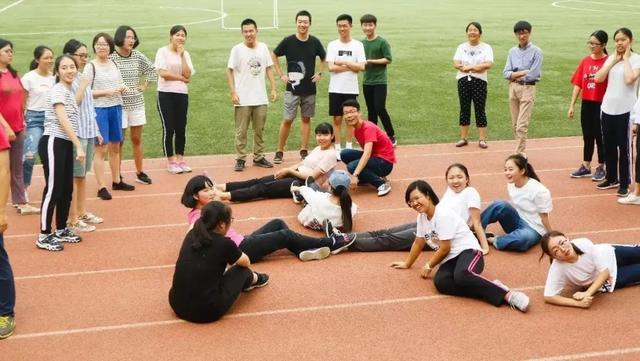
[523, 70]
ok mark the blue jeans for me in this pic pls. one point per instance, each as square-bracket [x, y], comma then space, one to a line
[7, 285]
[34, 130]
[372, 173]
[519, 235]
[628, 260]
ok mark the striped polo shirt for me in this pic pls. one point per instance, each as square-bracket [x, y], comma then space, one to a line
[87, 126]
[134, 68]
[60, 94]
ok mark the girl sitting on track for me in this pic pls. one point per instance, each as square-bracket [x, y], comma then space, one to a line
[526, 219]
[318, 164]
[333, 209]
[464, 200]
[591, 268]
[273, 236]
[202, 291]
[459, 256]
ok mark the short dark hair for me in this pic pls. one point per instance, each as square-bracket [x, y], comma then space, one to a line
[368, 18]
[304, 13]
[121, 33]
[107, 38]
[476, 24]
[248, 21]
[351, 103]
[12, 71]
[522, 25]
[174, 30]
[325, 128]
[346, 17]
[194, 185]
[424, 188]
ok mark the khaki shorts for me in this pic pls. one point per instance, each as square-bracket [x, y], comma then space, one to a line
[133, 118]
[80, 169]
[307, 104]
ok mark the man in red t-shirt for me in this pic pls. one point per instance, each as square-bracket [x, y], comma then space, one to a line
[376, 159]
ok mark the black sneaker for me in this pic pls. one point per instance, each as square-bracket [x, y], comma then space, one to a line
[122, 186]
[143, 178]
[277, 159]
[622, 192]
[104, 194]
[67, 235]
[263, 163]
[607, 184]
[342, 241]
[263, 280]
[328, 228]
[239, 167]
[49, 242]
[303, 153]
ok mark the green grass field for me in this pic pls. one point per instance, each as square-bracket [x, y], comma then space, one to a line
[423, 34]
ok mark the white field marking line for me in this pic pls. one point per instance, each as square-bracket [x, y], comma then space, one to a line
[560, 4]
[211, 20]
[10, 6]
[244, 315]
[85, 273]
[251, 219]
[580, 356]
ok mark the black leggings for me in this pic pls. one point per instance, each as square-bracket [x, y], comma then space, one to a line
[591, 130]
[173, 108]
[234, 280]
[376, 98]
[265, 187]
[57, 159]
[474, 90]
[276, 235]
[460, 276]
[616, 133]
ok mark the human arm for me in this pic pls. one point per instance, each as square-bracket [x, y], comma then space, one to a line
[11, 135]
[630, 74]
[416, 248]
[601, 278]
[362, 163]
[272, 83]
[295, 172]
[574, 97]
[474, 214]
[569, 302]
[316, 77]
[82, 87]
[5, 176]
[278, 69]
[544, 217]
[185, 68]
[535, 68]
[65, 124]
[603, 73]
[232, 87]
[441, 253]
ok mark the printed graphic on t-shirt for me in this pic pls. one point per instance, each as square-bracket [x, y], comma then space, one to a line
[345, 53]
[590, 76]
[255, 66]
[297, 72]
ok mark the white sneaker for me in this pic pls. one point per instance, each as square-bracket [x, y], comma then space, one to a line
[518, 300]
[90, 218]
[314, 254]
[174, 168]
[184, 166]
[80, 226]
[24, 209]
[630, 199]
[348, 145]
[384, 189]
[338, 150]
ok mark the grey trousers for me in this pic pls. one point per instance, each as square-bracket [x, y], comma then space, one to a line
[399, 238]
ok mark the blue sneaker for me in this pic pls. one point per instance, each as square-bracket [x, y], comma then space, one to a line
[599, 175]
[581, 172]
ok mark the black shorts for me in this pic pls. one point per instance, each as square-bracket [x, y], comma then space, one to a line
[336, 100]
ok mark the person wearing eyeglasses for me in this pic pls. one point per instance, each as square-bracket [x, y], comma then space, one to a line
[584, 85]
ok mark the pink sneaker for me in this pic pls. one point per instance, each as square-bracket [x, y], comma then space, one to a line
[174, 168]
[183, 165]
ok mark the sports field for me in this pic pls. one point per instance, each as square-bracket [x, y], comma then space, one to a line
[423, 35]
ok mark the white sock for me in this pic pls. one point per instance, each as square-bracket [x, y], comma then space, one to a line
[348, 145]
[337, 147]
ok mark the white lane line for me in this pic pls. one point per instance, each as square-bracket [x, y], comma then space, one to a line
[243, 315]
[580, 356]
[10, 6]
[561, 4]
[84, 273]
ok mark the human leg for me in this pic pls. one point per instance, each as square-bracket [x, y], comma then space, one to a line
[628, 261]
[479, 98]
[64, 178]
[33, 133]
[469, 281]
[610, 147]
[242, 118]
[167, 112]
[380, 104]
[519, 235]
[259, 119]
[464, 98]
[399, 238]
[181, 111]
[17, 173]
[307, 111]
[234, 280]
[369, 98]
[265, 187]
[623, 136]
[373, 172]
[527, 100]
[7, 293]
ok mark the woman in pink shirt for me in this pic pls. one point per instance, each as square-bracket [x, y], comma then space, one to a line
[12, 120]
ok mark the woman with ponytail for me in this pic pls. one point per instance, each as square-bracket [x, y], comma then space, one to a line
[37, 83]
[335, 208]
[203, 289]
[526, 218]
[584, 84]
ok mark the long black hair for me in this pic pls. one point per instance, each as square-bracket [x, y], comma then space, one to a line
[3, 43]
[522, 163]
[38, 52]
[544, 244]
[345, 205]
[194, 185]
[213, 215]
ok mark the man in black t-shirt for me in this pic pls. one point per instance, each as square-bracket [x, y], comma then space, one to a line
[300, 50]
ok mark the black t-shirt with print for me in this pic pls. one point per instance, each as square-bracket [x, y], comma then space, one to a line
[301, 62]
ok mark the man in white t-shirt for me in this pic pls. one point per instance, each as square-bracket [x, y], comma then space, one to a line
[345, 58]
[248, 63]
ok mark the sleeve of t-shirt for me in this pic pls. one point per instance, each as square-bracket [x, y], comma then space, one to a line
[473, 198]
[187, 58]
[600, 259]
[231, 64]
[147, 68]
[311, 196]
[193, 216]
[386, 50]
[231, 251]
[331, 53]
[58, 96]
[281, 49]
[459, 54]
[445, 226]
[489, 56]
[26, 82]
[161, 60]
[267, 56]
[89, 72]
[421, 227]
[556, 281]
[320, 50]
[635, 63]
[576, 79]
[361, 56]
[542, 200]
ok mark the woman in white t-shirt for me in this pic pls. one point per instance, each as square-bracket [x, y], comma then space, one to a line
[318, 164]
[175, 68]
[472, 60]
[581, 269]
[464, 200]
[526, 218]
[326, 210]
[622, 71]
[37, 84]
[459, 255]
